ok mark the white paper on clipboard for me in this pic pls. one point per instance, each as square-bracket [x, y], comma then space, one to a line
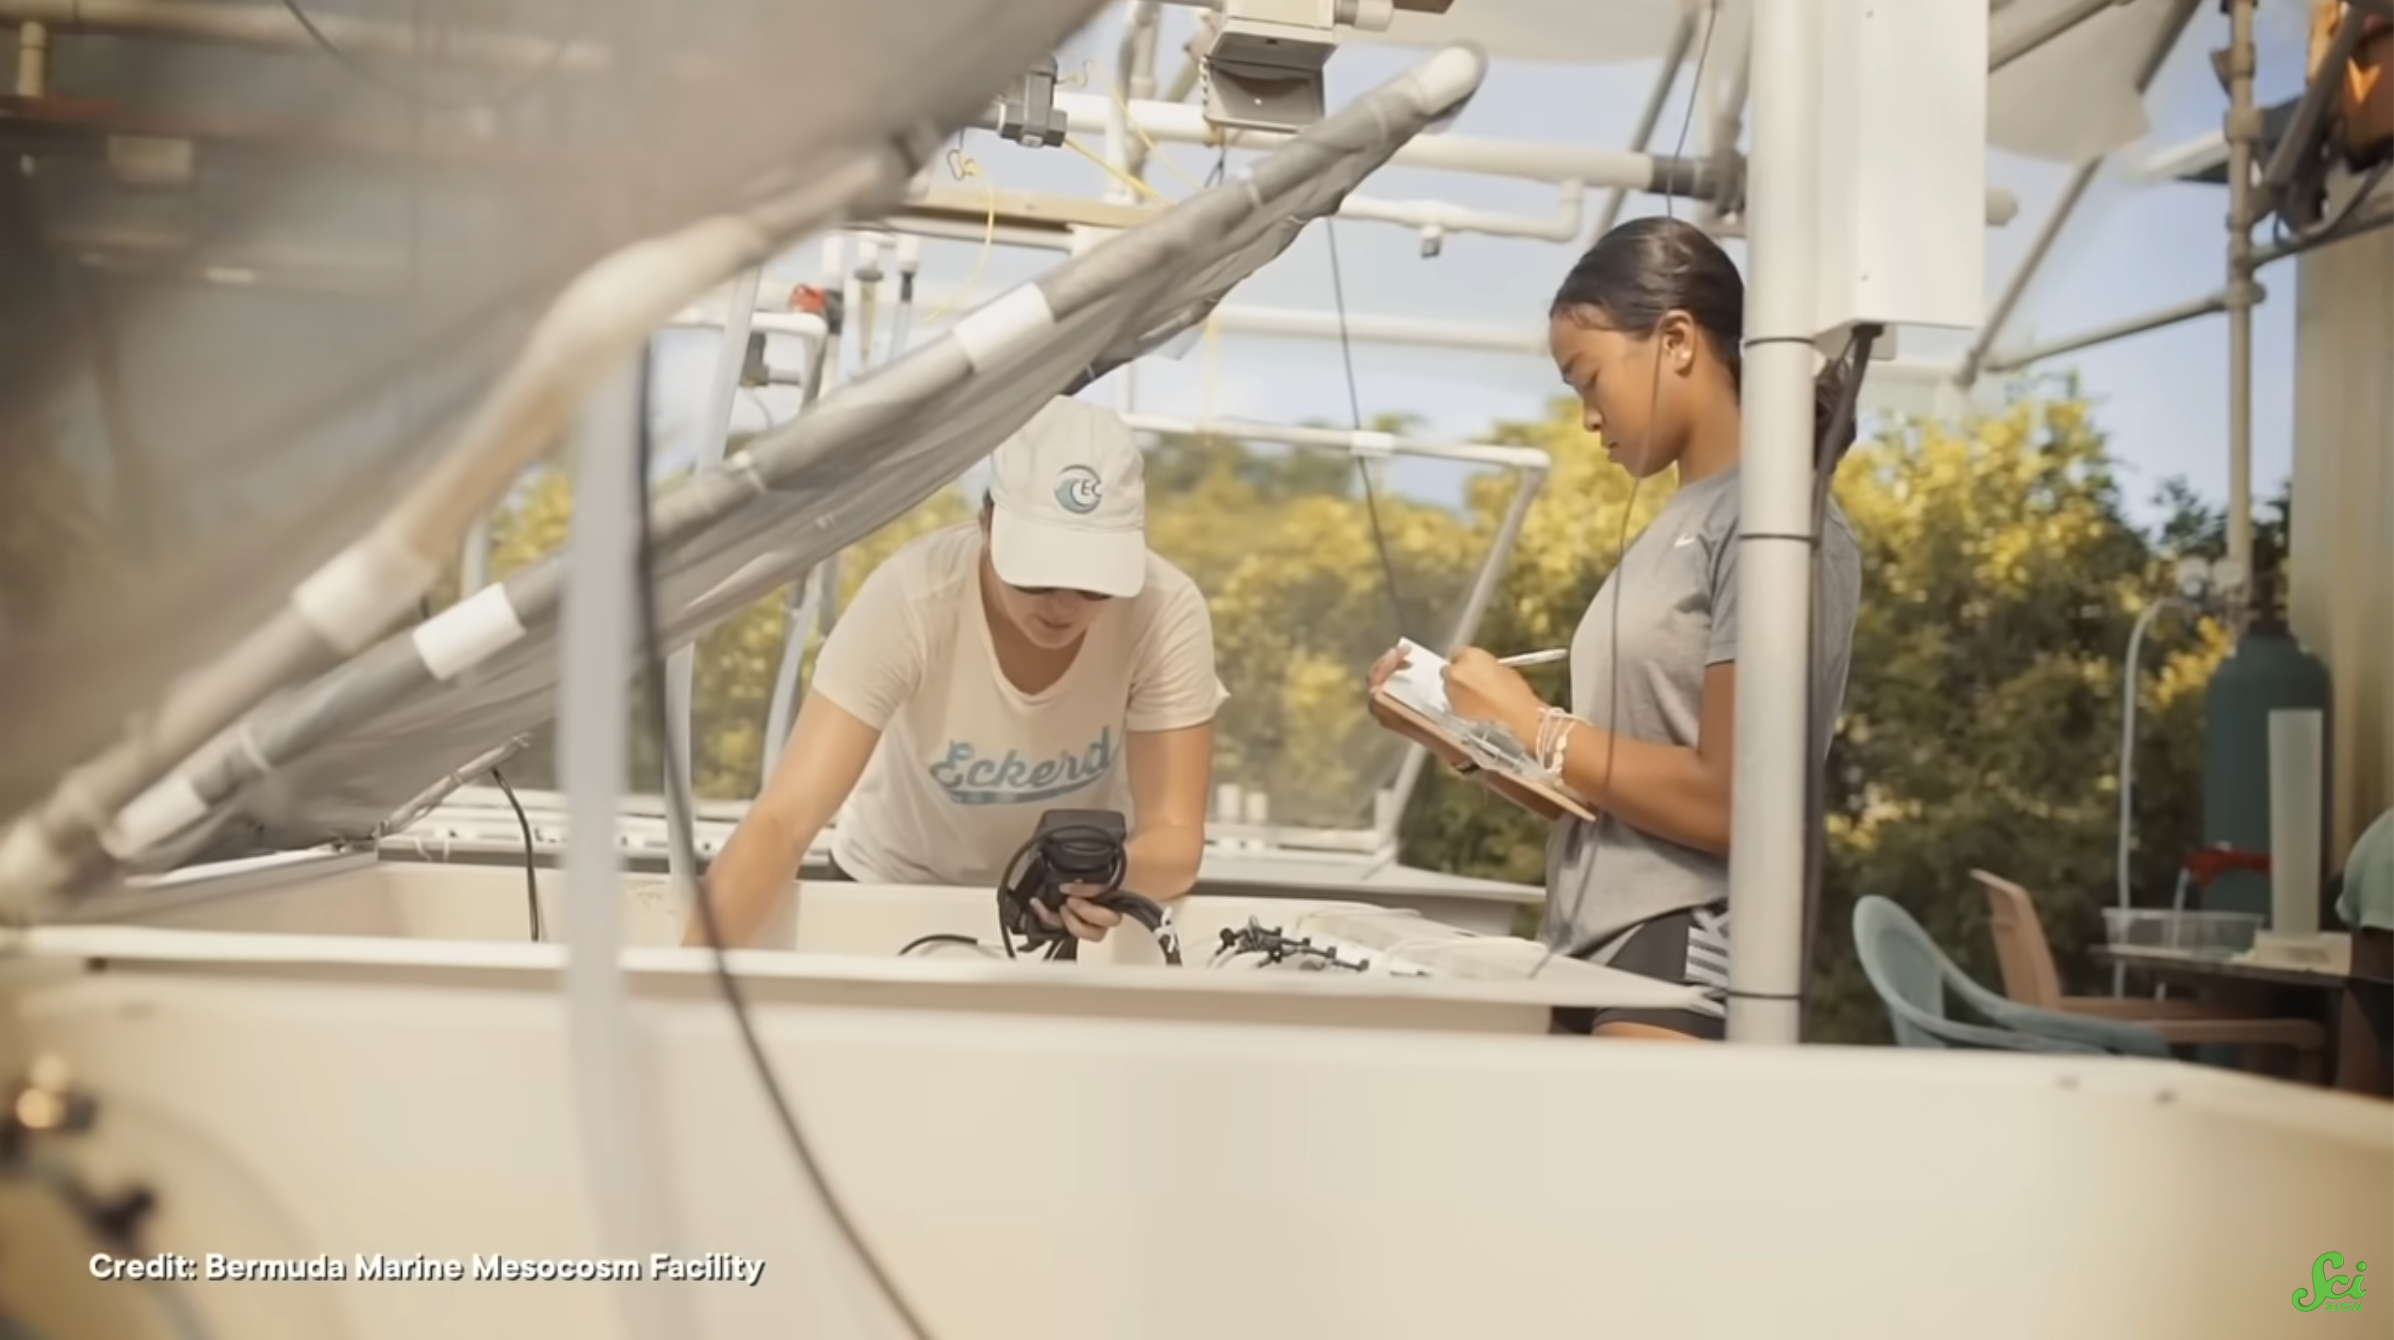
[1421, 686]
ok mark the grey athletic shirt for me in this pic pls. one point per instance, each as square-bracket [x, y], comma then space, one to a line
[1677, 588]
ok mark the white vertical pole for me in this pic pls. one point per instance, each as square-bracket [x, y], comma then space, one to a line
[596, 628]
[1774, 586]
[739, 312]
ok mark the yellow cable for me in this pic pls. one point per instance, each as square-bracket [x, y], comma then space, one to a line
[962, 165]
[1152, 151]
[1116, 173]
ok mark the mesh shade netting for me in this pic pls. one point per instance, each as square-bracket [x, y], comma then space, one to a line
[251, 285]
[336, 757]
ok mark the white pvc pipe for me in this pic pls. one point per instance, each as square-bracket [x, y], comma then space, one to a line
[1297, 324]
[1184, 123]
[1562, 226]
[1340, 439]
[596, 628]
[1774, 586]
[804, 325]
[731, 355]
[2128, 697]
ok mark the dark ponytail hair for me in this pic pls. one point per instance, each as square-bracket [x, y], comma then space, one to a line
[1647, 268]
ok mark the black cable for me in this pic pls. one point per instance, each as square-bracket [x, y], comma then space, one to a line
[1618, 577]
[1371, 499]
[531, 869]
[924, 941]
[1029, 878]
[414, 91]
[684, 852]
[1828, 455]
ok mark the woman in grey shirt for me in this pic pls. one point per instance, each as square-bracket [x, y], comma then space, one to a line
[1646, 331]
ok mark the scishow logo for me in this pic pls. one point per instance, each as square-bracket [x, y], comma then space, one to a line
[2330, 1291]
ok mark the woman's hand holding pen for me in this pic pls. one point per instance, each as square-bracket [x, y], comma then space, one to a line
[1479, 687]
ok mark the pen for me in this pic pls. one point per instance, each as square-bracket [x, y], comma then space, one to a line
[1534, 657]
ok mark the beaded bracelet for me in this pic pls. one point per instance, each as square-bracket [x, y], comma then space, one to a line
[1554, 739]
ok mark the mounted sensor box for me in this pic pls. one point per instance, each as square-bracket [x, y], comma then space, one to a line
[1263, 70]
[1902, 162]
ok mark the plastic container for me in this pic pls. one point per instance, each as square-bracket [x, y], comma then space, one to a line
[2210, 934]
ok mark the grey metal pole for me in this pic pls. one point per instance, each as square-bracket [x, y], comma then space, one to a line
[2072, 196]
[1674, 57]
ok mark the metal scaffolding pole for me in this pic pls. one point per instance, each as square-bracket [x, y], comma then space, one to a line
[1651, 115]
[2244, 134]
[2072, 196]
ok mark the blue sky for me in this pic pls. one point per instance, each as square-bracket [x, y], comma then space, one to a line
[2161, 396]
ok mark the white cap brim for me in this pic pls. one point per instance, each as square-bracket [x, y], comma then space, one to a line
[1073, 558]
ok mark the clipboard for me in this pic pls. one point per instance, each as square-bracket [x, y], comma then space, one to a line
[1412, 703]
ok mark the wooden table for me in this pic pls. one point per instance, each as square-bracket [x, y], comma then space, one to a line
[2355, 1006]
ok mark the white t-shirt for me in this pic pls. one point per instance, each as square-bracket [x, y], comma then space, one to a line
[968, 762]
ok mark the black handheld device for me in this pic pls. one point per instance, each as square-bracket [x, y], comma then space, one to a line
[1072, 848]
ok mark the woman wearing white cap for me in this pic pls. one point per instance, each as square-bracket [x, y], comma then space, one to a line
[1039, 658]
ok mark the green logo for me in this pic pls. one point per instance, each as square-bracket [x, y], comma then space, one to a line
[2336, 1293]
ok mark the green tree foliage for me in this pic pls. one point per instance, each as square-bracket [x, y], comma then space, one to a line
[1282, 542]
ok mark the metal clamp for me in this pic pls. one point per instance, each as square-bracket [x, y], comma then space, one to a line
[1031, 118]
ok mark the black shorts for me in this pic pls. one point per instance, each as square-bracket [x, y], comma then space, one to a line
[1689, 948]
[836, 873]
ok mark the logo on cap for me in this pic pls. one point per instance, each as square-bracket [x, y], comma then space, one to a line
[1078, 490]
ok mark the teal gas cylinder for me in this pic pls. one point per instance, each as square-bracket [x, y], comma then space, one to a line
[2269, 671]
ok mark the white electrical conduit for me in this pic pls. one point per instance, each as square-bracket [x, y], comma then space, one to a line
[2128, 696]
[274, 28]
[597, 628]
[105, 806]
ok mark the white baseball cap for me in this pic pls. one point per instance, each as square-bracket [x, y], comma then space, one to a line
[1068, 496]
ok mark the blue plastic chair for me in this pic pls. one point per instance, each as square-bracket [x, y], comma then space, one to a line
[1913, 978]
